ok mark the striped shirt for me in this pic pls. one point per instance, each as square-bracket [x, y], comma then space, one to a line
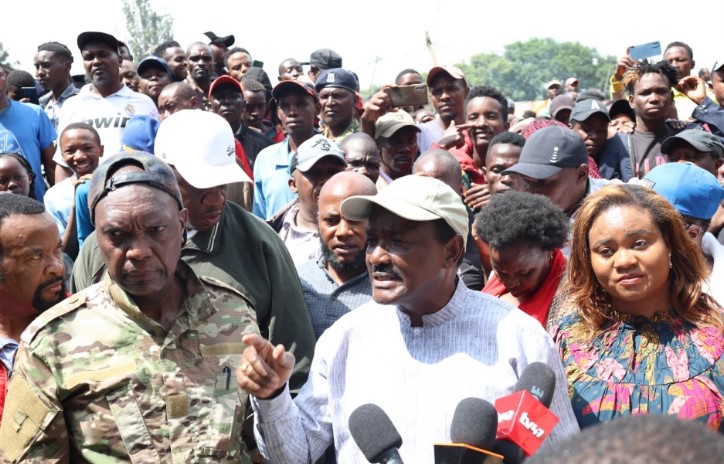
[326, 300]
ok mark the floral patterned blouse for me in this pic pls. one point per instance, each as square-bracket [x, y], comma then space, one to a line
[662, 365]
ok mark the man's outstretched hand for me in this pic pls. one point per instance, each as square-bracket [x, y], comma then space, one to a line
[264, 368]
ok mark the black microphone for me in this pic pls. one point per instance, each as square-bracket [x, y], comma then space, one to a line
[375, 434]
[538, 380]
[472, 432]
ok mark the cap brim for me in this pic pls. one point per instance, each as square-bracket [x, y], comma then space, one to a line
[535, 171]
[580, 117]
[307, 165]
[666, 145]
[357, 208]
[145, 65]
[390, 131]
[214, 176]
[84, 38]
[292, 86]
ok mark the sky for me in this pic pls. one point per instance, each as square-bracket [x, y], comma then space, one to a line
[380, 37]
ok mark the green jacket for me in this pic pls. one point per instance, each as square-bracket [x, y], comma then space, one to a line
[245, 253]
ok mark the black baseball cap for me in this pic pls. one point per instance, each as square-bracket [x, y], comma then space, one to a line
[324, 58]
[227, 40]
[84, 38]
[548, 151]
[621, 107]
[584, 109]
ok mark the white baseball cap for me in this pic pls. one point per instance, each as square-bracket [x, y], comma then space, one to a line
[201, 146]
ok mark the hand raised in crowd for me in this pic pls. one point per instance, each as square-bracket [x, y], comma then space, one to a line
[377, 105]
[693, 87]
[264, 368]
[623, 64]
[454, 135]
[477, 196]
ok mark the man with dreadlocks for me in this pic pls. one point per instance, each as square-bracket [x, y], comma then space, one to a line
[649, 86]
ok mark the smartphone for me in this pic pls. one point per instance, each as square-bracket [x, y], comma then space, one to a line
[407, 95]
[31, 94]
[257, 64]
[647, 50]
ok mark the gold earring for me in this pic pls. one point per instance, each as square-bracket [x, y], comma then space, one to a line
[671, 265]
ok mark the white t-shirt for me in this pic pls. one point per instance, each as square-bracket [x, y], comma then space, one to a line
[107, 115]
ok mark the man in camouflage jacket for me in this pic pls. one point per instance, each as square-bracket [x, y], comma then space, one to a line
[139, 367]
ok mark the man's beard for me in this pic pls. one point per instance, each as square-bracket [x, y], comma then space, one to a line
[331, 259]
[41, 305]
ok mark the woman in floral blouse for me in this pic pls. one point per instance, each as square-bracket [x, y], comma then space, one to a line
[642, 338]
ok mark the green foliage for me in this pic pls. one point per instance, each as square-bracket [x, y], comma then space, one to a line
[523, 69]
[146, 29]
[3, 54]
[4, 58]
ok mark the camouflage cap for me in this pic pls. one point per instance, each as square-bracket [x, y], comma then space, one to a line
[156, 174]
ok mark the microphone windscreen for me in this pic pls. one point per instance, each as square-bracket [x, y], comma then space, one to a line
[474, 423]
[539, 380]
[512, 453]
[373, 431]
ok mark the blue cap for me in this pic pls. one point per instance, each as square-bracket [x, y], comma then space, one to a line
[691, 190]
[337, 77]
[140, 133]
[153, 62]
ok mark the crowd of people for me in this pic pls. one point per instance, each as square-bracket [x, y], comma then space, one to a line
[197, 265]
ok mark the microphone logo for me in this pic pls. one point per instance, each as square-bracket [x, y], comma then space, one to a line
[526, 422]
[537, 392]
[506, 416]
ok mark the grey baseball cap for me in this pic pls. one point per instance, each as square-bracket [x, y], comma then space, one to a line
[699, 139]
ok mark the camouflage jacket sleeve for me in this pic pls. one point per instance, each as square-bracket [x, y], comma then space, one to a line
[32, 420]
[33, 427]
[104, 383]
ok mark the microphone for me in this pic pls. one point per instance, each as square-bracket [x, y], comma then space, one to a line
[524, 420]
[472, 433]
[375, 434]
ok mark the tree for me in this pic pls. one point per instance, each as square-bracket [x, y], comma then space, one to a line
[4, 55]
[146, 29]
[524, 67]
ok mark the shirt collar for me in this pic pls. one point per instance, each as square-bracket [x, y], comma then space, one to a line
[122, 92]
[8, 347]
[208, 241]
[196, 302]
[445, 314]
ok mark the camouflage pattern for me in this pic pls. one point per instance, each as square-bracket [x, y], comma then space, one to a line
[97, 381]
